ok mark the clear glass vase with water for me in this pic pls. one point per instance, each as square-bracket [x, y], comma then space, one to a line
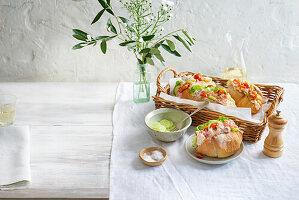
[141, 87]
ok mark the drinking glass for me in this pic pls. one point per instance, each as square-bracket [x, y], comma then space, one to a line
[7, 109]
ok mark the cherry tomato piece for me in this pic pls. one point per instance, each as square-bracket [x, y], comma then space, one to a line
[241, 85]
[246, 85]
[185, 86]
[196, 76]
[221, 92]
[235, 81]
[203, 94]
[198, 156]
[255, 94]
[213, 126]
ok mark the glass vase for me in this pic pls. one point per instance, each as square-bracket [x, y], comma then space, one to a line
[141, 86]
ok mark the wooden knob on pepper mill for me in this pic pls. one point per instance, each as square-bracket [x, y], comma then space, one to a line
[273, 145]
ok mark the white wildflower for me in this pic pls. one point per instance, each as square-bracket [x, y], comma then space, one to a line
[170, 3]
[125, 24]
[164, 8]
[147, 19]
[140, 40]
[170, 16]
[162, 28]
[166, 2]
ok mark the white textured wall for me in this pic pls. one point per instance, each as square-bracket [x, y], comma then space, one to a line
[36, 41]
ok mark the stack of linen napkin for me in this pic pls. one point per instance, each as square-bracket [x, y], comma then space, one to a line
[14, 157]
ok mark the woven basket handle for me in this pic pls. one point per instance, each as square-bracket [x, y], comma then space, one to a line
[159, 87]
[274, 106]
[281, 96]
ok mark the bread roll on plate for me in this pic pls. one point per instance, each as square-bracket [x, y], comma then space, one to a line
[217, 138]
[245, 94]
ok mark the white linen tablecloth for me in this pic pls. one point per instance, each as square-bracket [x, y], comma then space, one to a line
[14, 157]
[252, 176]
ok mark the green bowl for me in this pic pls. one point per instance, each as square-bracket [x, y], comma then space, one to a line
[169, 114]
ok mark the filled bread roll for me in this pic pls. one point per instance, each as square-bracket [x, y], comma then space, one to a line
[245, 94]
[199, 88]
[189, 80]
[212, 94]
[217, 138]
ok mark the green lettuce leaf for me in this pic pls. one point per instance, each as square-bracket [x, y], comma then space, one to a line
[196, 87]
[222, 118]
[235, 129]
[177, 84]
[200, 127]
[194, 141]
[213, 98]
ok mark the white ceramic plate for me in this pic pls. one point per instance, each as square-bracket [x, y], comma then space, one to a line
[210, 160]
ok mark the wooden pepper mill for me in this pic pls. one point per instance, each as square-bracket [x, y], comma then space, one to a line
[273, 145]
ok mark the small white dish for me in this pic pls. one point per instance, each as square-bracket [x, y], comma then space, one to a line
[209, 160]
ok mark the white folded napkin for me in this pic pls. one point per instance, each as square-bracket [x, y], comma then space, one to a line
[14, 157]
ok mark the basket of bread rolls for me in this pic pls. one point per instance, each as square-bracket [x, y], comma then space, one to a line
[232, 93]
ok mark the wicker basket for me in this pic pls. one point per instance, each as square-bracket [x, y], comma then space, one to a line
[252, 131]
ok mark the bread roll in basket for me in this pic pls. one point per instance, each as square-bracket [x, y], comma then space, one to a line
[202, 88]
[245, 94]
[217, 138]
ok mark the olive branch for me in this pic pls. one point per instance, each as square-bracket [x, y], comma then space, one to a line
[142, 33]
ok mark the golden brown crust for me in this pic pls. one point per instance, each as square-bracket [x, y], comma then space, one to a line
[243, 100]
[221, 147]
[205, 83]
[230, 146]
[207, 147]
[186, 94]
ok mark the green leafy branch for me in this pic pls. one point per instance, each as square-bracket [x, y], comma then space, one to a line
[142, 34]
